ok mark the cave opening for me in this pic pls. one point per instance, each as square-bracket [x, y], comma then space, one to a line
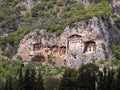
[89, 47]
[39, 58]
[37, 46]
[62, 50]
[54, 50]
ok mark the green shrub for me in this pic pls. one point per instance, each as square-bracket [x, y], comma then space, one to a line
[50, 4]
[53, 11]
[51, 83]
[43, 13]
[27, 17]
[14, 38]
[2, 40]
[117, 19]
[58, 32]
[19, 8]
[7, 53]
[14, 3]
[60, 2]
[116, 52]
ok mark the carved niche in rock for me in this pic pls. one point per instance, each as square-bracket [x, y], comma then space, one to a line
[39, 58]
[46, 51]
[54, 50]
[37, 46]
[89, 47]
[62, 50]
[74, 42]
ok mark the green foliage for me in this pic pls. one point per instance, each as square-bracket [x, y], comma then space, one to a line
[7, 17]
[54, 28]
[58, 32]
[7, 53]
[36, 8]
[18, 69]
[27, 17]
[14, 38]
[49, 15]
[50, 4]
[87, 73]
[2, 40]
[116, 20]
[68, 80]
[53, 11]
[105, 79]
[19, 8]
[17, 76]
[19, 57]
[43, 13]
[59, 2]
[11, 38]
[117, 86]
[51, 83]
[116, 52]
[115, 62]
[27, 82]
[39, 85]
[101, 9]
[14, 3]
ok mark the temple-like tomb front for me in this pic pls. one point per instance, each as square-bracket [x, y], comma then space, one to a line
[54, 50]
[89, 47]
[62, 51]
[37, 46]
[74, 42]
[46, 51]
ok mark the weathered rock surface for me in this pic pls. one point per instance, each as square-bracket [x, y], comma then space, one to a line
[87, 41]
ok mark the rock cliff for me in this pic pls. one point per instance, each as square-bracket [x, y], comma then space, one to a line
[87, 41]
[59, 32]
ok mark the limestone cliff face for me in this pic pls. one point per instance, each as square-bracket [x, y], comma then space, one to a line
[89, 40]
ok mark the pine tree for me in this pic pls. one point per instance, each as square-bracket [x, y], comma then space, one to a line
[20, 80]
[100, 80]
[66, 82]
[8, 84]
[105, 79]
[110, 79]
[39, 84]
[27, 80]
[87, 77]
[118, 80]
[32, 79]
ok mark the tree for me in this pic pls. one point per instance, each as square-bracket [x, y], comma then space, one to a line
[67, 81]
[117, 86]
[39, 84]
[87, 77]
[105, 79]
[27, 80]
[8, 84]
[51, 83]
[116, 52]
[100, 81]
[20, 80]
[32, 79]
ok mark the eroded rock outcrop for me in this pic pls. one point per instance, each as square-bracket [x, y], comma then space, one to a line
[87, 41]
